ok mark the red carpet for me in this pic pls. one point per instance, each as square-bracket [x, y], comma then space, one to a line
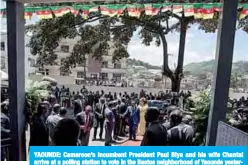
[133, 143]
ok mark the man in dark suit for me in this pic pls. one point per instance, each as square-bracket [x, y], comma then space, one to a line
[38, 131]
[85, 120]
[156, 133]
[133, 114]
[181, 134]
[99, 117]
[121, 109]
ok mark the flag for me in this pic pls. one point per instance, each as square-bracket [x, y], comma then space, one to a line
[109, 10]
[188, 10]
[152, 9]
[134, 10]
[94, 9]
[148, 9]
[43, 12]
[244, 12]
[120, 9]
[208, 11]
[83, 10]
[177, 8]
[58, 11]
[28, 13]
[166, 7]
[198, 11]
[217, 7]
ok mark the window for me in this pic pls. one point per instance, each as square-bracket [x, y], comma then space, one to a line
[64, 48]
[105, 64]
[104, 76]
[117, 76]
[117, 65]
[47, 71]
[43, 71]
[2, 46]
[80, 74]
[64, 73]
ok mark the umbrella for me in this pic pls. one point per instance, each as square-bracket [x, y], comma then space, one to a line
[4, 76]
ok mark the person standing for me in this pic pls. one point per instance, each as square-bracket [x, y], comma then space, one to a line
[38, 130]
[109, 125]
[181, 134]
[99, 118]
[156, 133]
[122, 108]
[133, 113]
[66, 133]
[142, 125]
[52, 121]
[117, 121]
[85, 120]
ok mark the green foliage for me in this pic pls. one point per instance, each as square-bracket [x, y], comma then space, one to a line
[200, 107]
[35, 92]
[200, 117]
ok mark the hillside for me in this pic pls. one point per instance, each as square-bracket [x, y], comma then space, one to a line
[198, 68]
[134, 62]
[207, 66]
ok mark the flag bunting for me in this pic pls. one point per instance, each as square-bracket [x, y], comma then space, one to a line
[196, 10]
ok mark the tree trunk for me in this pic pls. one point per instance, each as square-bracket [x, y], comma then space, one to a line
[175, 77]
[175, 84]
[179, 70]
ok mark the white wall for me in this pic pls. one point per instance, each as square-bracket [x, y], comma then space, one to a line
[28, 68]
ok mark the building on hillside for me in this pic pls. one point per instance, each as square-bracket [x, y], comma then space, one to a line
[104, 70]
[30, 60]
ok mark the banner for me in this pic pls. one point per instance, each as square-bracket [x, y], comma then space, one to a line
[196, 10]
[127, 155]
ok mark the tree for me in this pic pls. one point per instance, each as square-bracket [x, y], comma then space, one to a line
[118, 30]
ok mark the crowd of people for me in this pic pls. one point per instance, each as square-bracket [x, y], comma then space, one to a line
[66, 119]
[104, 82]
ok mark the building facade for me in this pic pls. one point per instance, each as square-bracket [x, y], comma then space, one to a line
[94, 69]
[30, 60]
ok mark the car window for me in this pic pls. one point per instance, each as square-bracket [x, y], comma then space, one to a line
[158, 104]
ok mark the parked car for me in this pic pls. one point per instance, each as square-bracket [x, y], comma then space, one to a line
[161, 105]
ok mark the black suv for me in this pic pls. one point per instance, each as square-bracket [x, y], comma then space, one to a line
[161, 105]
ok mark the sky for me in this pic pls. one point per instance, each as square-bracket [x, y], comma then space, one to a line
[200, 46]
